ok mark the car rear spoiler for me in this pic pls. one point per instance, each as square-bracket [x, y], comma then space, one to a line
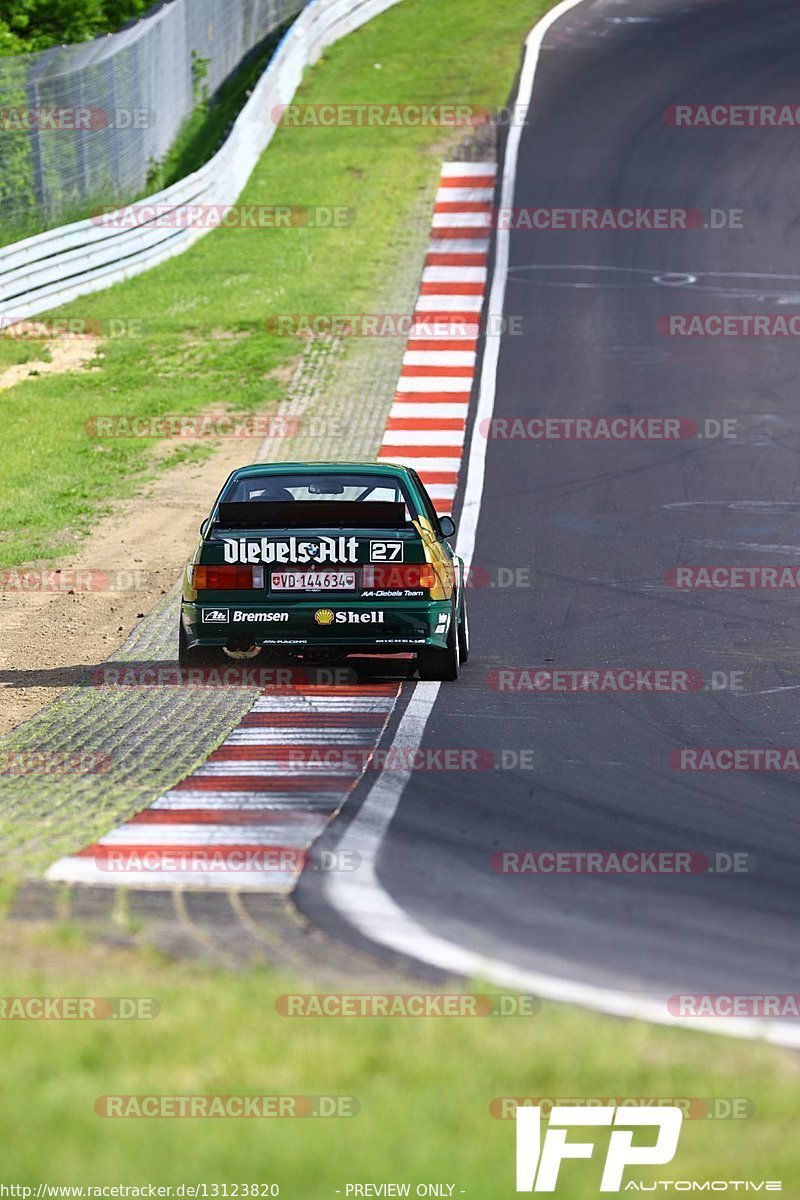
[312, 514]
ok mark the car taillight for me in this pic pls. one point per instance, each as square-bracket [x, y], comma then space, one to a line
[409, 575]
[226, 578]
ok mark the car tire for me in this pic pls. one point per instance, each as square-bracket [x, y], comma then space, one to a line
[440, 665]
[463, 633]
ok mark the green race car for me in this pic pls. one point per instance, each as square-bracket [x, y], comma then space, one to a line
[325, 560]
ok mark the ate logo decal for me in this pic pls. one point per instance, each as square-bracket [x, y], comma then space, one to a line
[215, 616]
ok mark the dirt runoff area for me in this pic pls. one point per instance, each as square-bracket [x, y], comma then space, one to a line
[59, 617]
[63, 356]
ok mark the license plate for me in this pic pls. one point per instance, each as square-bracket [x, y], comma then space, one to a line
[313, 581]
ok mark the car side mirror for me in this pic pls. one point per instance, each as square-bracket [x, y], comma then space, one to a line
[204, 527]
[447, 526]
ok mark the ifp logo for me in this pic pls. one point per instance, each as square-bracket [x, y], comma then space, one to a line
[538, 1164]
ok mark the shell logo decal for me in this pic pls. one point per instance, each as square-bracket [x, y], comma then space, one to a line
[324, 616]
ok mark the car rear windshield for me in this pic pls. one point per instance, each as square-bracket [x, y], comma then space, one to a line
[324, 486]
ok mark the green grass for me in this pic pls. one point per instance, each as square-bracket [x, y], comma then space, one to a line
[449, 51]
[424, 1085]
[22, 350]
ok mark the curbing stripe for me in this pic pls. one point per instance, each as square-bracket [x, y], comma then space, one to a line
[454, 273]
[427, 384]
[427, 421]
[443, 300]
[442, 371]
[470, 195]
[436, 357]
[245, 818]
[426, 410]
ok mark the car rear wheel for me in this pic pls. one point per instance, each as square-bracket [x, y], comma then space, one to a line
[436, 664]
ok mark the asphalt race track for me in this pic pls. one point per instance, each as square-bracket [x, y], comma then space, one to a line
[599, 524]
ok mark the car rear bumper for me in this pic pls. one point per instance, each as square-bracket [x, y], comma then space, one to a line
[351, 627]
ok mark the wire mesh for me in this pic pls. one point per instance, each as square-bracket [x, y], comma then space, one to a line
[85, 124]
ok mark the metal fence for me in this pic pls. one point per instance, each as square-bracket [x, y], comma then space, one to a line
[85, 124]
[52, 268]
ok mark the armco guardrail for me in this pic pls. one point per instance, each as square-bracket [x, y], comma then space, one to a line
[52, 268]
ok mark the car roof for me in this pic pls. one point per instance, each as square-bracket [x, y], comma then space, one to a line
[353, 468]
